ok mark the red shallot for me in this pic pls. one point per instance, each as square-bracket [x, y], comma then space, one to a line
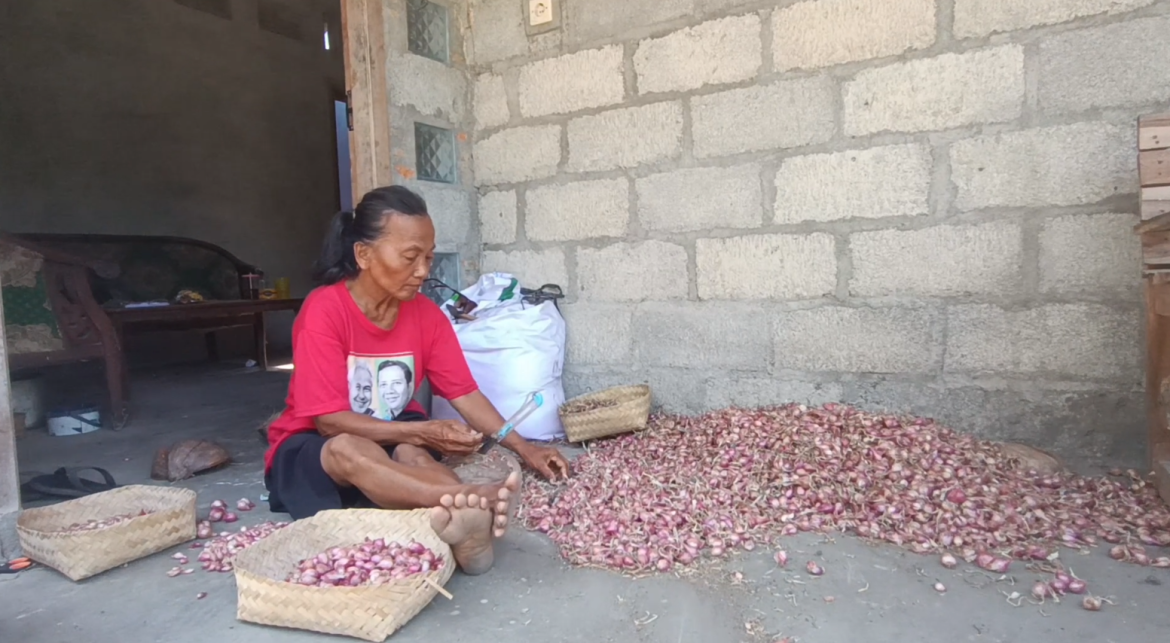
[1091, 603]
[686, 487]
[1041, 590]
[203, 529]
[781, 558]
[993, 563]
[373, 562]
[243, 504]
[230, 517]
[814, 569]
[219, 553]
[948, 561]
[1076, 586]
[216, 514]
[93, 525]
[218, 504]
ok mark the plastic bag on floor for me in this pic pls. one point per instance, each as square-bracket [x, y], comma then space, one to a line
[513, 348]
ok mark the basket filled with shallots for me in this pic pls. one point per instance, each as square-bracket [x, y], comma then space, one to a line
[604, 413]
[86, 536]
[361, 573]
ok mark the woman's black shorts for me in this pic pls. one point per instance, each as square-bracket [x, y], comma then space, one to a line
[298, 485]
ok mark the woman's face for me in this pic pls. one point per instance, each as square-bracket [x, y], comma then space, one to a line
[399, 260]
[392, 388]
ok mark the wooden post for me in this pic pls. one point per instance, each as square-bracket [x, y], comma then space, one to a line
[9, 472]
[1154, 177]
[364, 36]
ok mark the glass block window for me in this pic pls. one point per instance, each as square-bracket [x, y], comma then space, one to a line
[426, 28]
[444, 268]
[434, 153]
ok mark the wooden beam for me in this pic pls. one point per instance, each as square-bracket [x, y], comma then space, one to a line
[1156, 248]
[1157, 368]
[1154, 167]
[364, 38]
[1154, 132]
[1154, 224]
[1153, 209]
[9, 472]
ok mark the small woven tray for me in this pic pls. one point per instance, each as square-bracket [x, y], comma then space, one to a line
[627, 409]
[370, 613]
[79, 555]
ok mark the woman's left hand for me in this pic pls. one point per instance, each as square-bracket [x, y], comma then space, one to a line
[546, 460]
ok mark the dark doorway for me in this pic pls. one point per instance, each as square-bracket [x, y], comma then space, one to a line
[344, 180]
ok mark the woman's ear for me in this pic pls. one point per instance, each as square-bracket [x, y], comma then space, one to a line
[361, 254]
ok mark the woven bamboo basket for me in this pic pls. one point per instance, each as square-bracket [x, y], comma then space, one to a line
[79, 555]
[628, 409]
[370, 613]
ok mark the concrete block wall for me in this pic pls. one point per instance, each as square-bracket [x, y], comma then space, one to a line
[922, 206]
[423, 90]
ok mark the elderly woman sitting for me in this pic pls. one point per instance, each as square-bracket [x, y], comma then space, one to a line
[351, 434]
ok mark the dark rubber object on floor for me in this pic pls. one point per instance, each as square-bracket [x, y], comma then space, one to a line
[67, 482]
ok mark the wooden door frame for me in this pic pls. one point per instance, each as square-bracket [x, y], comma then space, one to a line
[363, 34]
[9, 471]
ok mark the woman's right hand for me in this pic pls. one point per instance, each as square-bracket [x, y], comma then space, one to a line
[450, 437]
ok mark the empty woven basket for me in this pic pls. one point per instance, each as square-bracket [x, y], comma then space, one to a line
[371, 613]
[80, 555]
[612, 411]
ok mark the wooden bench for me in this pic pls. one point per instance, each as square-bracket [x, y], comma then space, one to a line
[51, 317]
[157, 268]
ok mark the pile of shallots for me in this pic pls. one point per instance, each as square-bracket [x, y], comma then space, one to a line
[587, 405]
[689, 487]
[219, 553]
[94, 525]
[374, 562]
[219, 513]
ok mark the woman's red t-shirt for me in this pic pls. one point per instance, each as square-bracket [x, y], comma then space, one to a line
[343, 362]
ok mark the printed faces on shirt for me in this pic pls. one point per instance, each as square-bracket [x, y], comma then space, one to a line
[381, 385]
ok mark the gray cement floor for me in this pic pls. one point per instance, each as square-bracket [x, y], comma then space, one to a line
[878, 594]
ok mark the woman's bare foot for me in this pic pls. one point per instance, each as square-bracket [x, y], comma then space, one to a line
[504, 498]
[464, 521]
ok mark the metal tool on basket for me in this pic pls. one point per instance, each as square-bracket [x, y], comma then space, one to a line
[531, 403]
